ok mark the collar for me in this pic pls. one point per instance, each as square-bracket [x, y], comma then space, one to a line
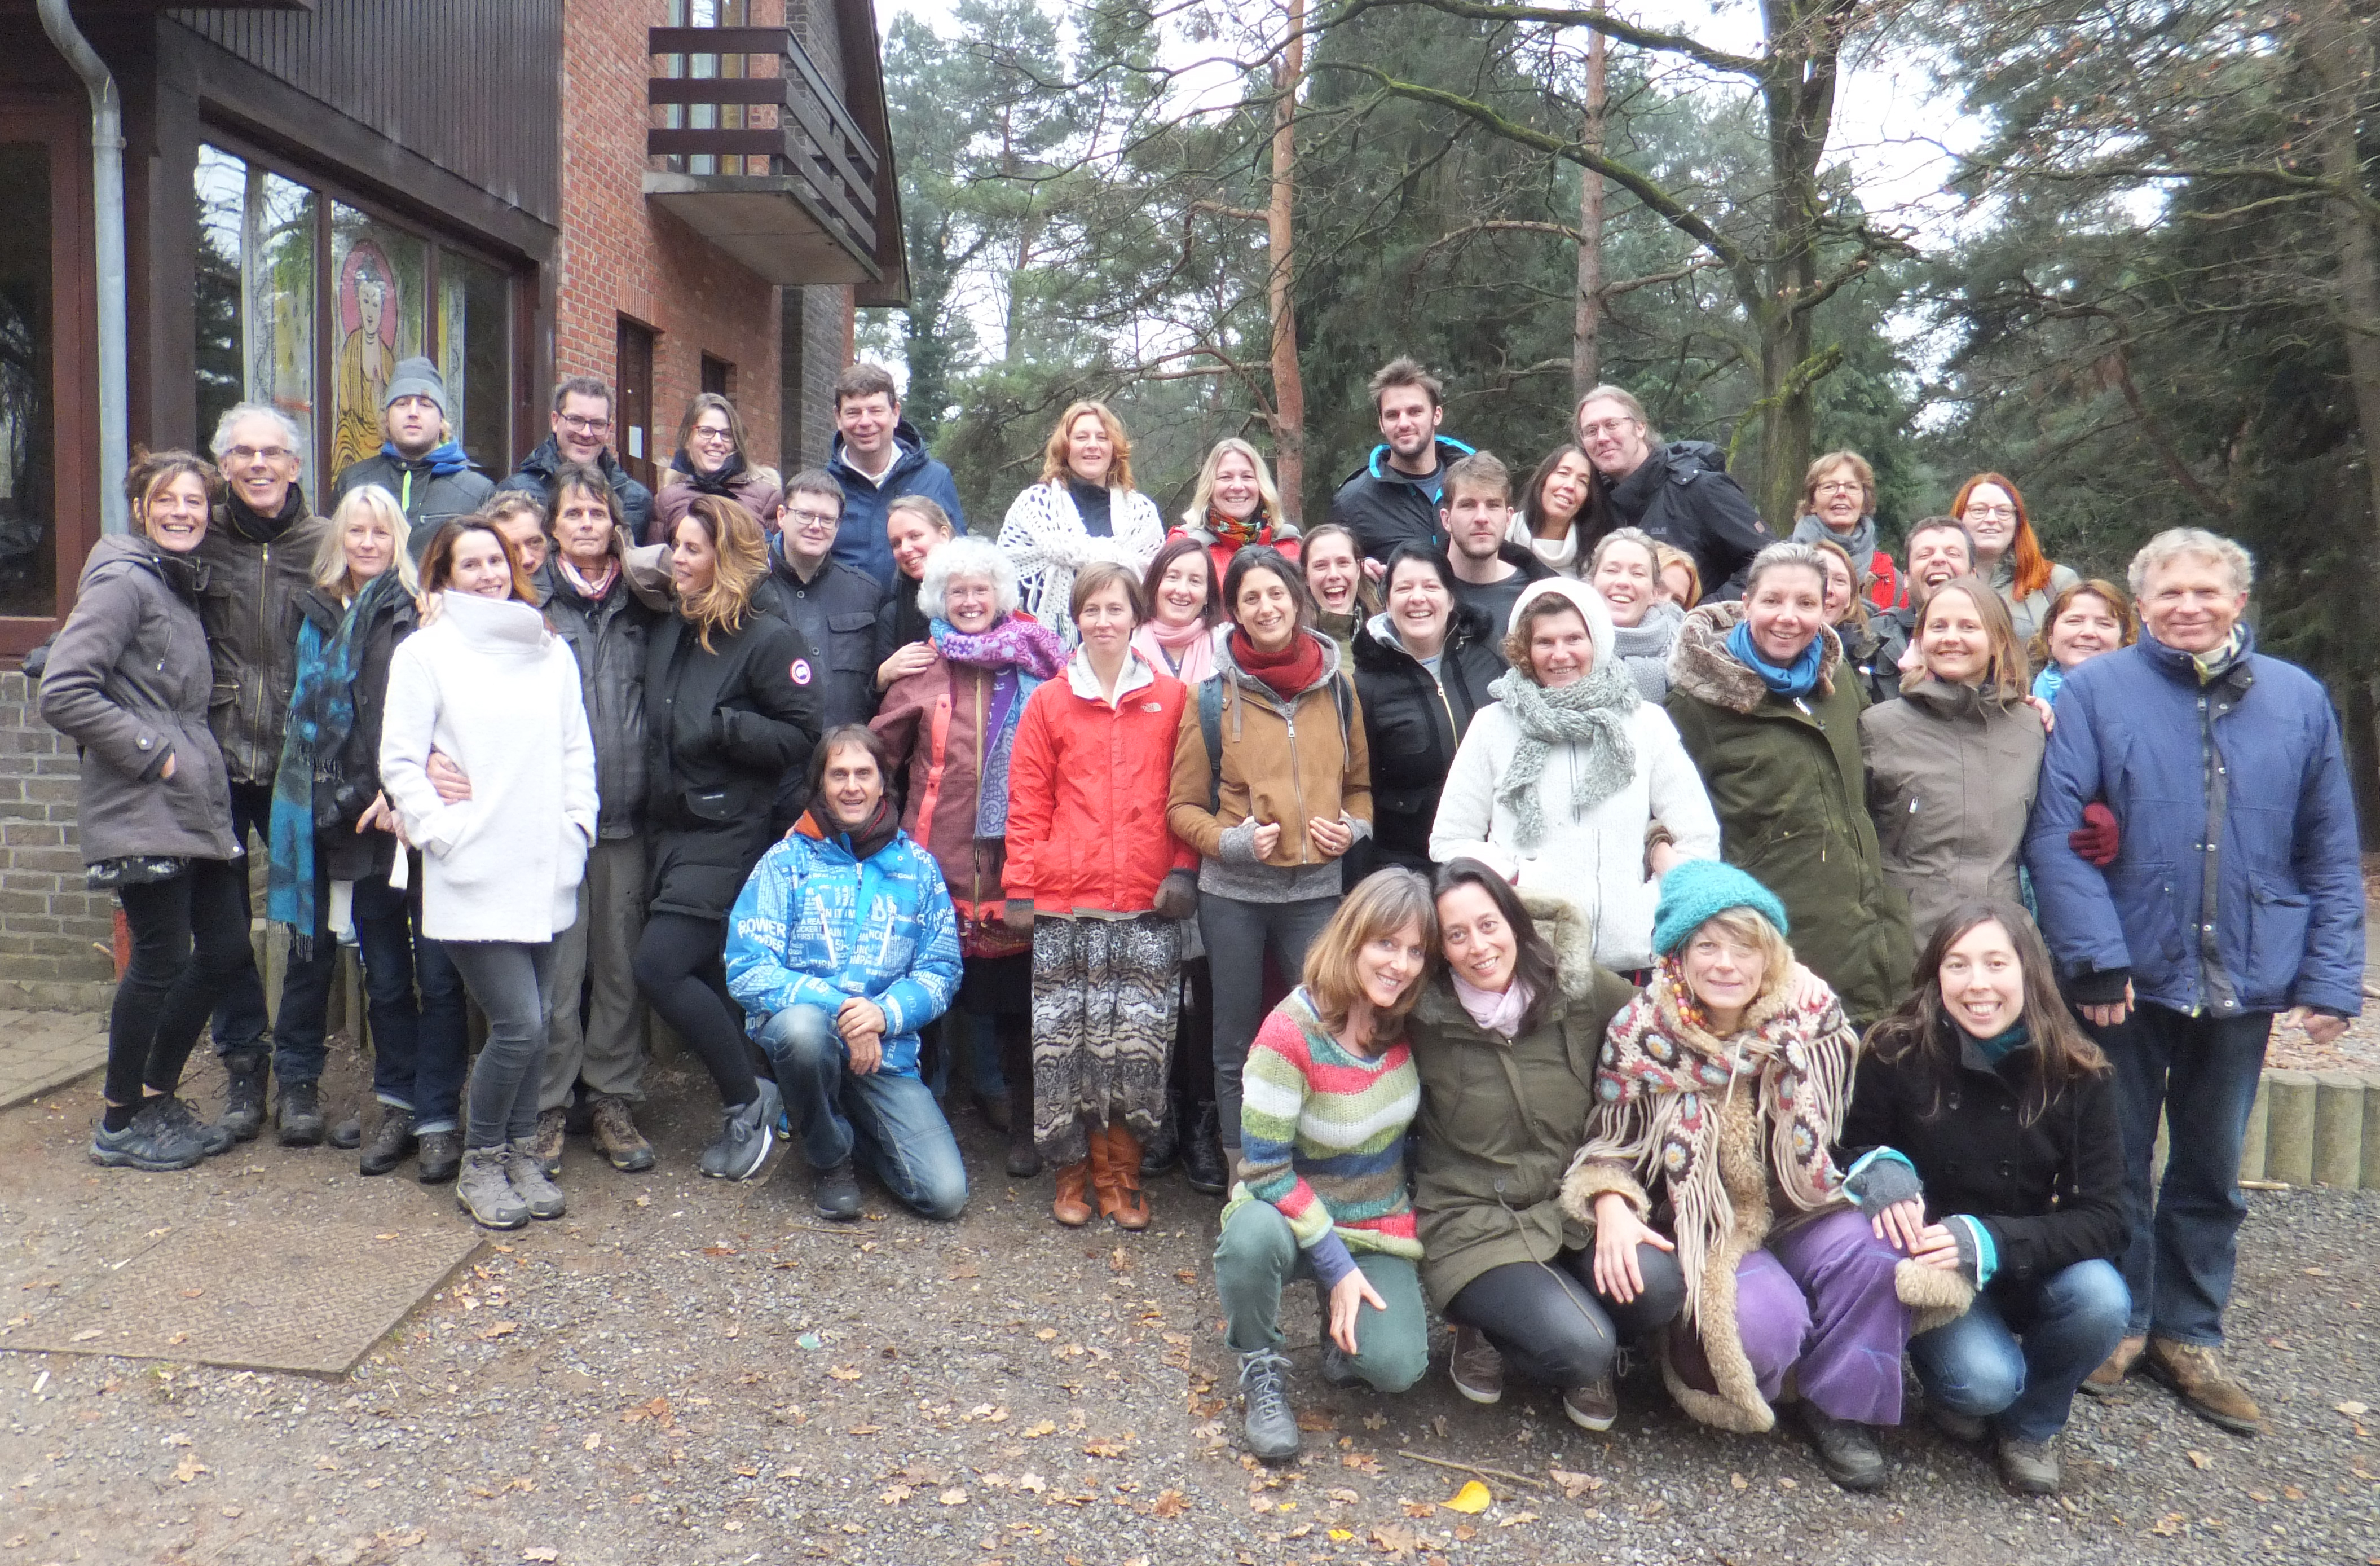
[1137, 671]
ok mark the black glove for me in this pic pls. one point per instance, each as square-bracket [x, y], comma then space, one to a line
[1177, 895]
[2099, 987]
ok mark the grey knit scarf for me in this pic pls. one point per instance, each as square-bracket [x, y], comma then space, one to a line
[1591, 714]
[1860, 546]
[1645, 648]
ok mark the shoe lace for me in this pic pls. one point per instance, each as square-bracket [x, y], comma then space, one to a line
[1261, 1383]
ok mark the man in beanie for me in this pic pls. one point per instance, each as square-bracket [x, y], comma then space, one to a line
[420, 461]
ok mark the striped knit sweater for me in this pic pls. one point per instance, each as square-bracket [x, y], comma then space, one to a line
[1322, 1136]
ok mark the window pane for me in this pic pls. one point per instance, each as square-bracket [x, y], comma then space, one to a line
[29, 566]
[475, 348]
[376, 315]
[255, 290]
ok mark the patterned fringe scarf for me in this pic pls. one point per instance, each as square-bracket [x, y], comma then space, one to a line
[1591, 714]
[1024, 653]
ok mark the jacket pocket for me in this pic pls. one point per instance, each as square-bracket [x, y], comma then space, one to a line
[2278, 922]
[2144, 903]
[730, 804]
[850, 649]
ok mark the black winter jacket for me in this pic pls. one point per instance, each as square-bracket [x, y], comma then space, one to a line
[724, 729]
[2051, 1193]
[536, 473]
[354, 772]
[609, 639]
[1683, 497]
[1411, 725]
[257, 569]
[838, 612]
[1385, 507]
[430, 501]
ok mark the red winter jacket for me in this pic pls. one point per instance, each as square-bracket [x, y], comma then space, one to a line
[1088, 785]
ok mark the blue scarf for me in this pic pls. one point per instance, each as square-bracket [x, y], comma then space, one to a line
[321, 716]
[2000, 1046]
[1023, 655]
[1797, 679]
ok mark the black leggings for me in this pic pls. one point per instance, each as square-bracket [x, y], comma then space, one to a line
[679, 971]
[1551, 1326]
[171, 985]
[1193, 1072]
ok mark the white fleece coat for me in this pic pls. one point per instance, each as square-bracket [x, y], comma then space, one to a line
[487, 685]
[1043, 534]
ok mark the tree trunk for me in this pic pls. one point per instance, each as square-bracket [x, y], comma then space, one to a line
[1288, 384]
[1586, 351]
[2338, 52]
[1798, 92]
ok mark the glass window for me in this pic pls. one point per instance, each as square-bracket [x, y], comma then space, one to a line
[379, 275]
[255, 290]
[29, 564]
[475, 354]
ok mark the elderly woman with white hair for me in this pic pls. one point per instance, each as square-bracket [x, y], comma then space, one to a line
[1572, 785]
[951, 727]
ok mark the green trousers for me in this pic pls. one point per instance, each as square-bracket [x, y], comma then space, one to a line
[1256, 1256]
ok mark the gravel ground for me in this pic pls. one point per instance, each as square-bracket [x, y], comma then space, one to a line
[682, 1371]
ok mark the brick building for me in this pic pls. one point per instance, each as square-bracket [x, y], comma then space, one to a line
[675, 195]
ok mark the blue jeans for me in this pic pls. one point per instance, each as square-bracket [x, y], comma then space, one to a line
[887, 1120]
[2199, 1074]
[240, 1018]
[2018, 1355]
[419, 1037]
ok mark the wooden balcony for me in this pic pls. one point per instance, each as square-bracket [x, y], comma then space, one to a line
[752, 149]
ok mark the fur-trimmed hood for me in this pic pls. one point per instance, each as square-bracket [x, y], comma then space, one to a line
[1701, 666]
[1566, 929]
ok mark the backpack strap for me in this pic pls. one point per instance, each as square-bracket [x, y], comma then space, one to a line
[1210, 729]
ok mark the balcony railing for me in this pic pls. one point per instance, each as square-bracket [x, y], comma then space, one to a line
[722, 118]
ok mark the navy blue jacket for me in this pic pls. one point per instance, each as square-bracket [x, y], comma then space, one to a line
[859, 542]
[535, 475]
[2243, 778]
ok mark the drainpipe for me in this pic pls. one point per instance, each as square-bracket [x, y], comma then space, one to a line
[107, 206]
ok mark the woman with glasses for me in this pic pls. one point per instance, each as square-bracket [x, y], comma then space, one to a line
[1838, 507]
[710, 461]
[2008, 555]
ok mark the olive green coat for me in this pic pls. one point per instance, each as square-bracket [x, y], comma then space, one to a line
[1787, 779]
[1511, 1110]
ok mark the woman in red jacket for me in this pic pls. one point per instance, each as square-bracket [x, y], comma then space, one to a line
[1099, 878]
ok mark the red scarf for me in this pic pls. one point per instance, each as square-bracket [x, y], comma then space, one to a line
[1239, 532]
[1286, 672]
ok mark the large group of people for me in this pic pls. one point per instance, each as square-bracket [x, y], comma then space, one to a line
[1584, 914]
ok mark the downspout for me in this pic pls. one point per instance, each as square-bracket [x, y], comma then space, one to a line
[107, 208]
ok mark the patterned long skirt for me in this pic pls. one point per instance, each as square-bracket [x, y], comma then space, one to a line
[1104, 997]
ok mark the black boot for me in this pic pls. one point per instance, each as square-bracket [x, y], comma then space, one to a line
[1203, 1164]
[1016, 1066]
[1164, 1150]
[301, 1115]
[244, 1074]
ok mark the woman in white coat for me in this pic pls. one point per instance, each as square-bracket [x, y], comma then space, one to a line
[1083, 508]
[1571, 784]
[486, 687]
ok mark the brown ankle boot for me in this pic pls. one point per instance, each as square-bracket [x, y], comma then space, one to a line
[1104, 1189]
[1069, 1209]
[2206, 1387]
[2104, 1381]
[1131, 1209]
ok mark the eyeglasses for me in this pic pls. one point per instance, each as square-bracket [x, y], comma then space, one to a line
[1840, 487]
[1607, 427]
[251, 453]
[710, 435]
[580, 424]
[2005, 512]
[815, 518]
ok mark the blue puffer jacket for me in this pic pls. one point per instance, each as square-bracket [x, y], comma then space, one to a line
[814, 926]
[2134, 729]
[859, 542]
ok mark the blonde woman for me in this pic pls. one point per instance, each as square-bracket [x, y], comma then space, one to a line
[1082, 508]
[1235, 505]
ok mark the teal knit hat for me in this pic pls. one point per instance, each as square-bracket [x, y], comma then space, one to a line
[1696, 890]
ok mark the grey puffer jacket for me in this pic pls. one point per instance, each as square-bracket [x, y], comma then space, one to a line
[1950, 778]
[128, 680]
[608, 638]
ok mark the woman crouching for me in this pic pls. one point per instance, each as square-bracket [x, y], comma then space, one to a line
[1722, 1090]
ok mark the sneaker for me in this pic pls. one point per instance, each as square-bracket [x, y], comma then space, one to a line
[1204, 1168]
[837, 1196]
[348, 1135]
[2110, 1375]
[1271, 1426]
[615, 1135]
[530, 1183]
[212, 1139]
[151, 1142]
[484, 1189]
[2029, 1467]
[299, 1119]
[244, 1074]
[391, 1141]
[1594, 1406]
[1476, 1366]
[1847, 1449]
[745, 1134]
[1967, 1427]
[2197, 1372]
[546, 1146]
[438, 1156]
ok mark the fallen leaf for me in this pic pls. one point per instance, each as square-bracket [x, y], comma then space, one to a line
[1418, 1509]
[844, 1373]
[721, 1250]
[1315, 1419]
[1738, 1482]
[1032, 1483]
[1039, 1427]
[1395, 1539]
[193, 1294]
[1515, 1520]
[540, 1552]
[1046, 1334]
[2352, 1410]
[500, 1329]
[1575, 1484]
[952, 1498]
[86, 1335]
[1472, 1499]
[2169, 1524]
[2199, 1459]
[865, 1430]
[1170, 1504]
[190, 1468]
[658, 1408]
[1374, 1421]
[591, 1442]
[1339, 1535]
[1260, 1503]
[894, 1495]
[2291, 1492]
[1103, 1449]
[1464, 1533]
[1345, 1497]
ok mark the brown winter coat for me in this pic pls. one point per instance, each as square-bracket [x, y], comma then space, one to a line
[1950, 780]
[754, 489]
[257, 570]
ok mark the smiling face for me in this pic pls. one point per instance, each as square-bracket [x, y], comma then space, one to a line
[1389, 964]
[1106, 623]
[1089, 451]
[970, 603]
[1408, 421]
[1614, 438]
[913, 537]
[1952, 639]
[583, 427]
[1563, 491]
[1331, 572]
[1265, 610]
[369, 545]
[1420, 606]
[1936, 554]
[1182, 591]
[1990, 515]
[1562, 650]
[2086, 628]
[1787, 610]
[807, 521]
[1235, 493]
[1982, 981]
[2189, 603]
[479, 568]
[1839, 499]
[852, 785]
[1725, 973]
[1628, 577]
[1478, 945]
[710, 443]
[1839, 588]
[866, 425]
[694, 563]
[260, 464]
[175, 514]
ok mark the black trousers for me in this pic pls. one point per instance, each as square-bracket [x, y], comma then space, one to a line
[189, 940]
[680, 971]
[1551, 1326]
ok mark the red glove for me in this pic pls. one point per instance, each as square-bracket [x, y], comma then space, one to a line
[2096, 839]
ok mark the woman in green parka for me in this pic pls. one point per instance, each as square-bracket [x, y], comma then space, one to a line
[1505, 1037]
[1754, 692]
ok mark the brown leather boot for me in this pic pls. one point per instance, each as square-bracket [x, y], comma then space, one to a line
[1104, 1189]
[1131, 1207]
[2110, 1375]
[2197, 1372]
[1069, 1209]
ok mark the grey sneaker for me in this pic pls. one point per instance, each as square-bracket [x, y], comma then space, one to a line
[212, 1139]
[1272, 1424]
[151, 1142]
[1594, 1406]
[244, 1074]
[837, 1197]
[1476, 1369]
[484, 1189]
[2029, 1467]
[748, 1131]
[1338, 1370]
[530, 1184]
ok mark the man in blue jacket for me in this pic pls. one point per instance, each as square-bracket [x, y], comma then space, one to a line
[2235, 893]
[878, 456]
[841, 946]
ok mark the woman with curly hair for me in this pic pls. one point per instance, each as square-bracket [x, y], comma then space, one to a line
[1082, 508]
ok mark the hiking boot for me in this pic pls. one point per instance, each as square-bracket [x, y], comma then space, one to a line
[437, 1155]
[1338, 1368]
[348, 1134]
[485, 1191]
[616, 1137]
[545, 1146]
[2197, 1375]
[537, 1191]
[212, 1139]
[1272, 1424]
[1122, 1198]
[151, 1142]
[244, 1074]
[746, 1132]
[1163, 1149]
[1204, 1168]
[2029, 1467]
[1594, 1406]
[2112, 1370]
[1966, 1427]
[1476, 1366]
[392, 1139]
[836, 1195]
[1847, 1449]
[299, 1120]
[1068, 1206]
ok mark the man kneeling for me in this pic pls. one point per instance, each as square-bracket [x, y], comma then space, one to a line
[841, 946]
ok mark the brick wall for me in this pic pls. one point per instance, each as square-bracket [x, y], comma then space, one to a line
[56, 936]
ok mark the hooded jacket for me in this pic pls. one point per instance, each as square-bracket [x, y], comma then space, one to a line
[128, 681]
[1951, 777]
[428, 499]
[536, 473]
[257, 569]
[1684, 497]
[1386, 507]
[1087, 781]
[859, 542]
[1789, 788]
[1413, 724]
[608, 638]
